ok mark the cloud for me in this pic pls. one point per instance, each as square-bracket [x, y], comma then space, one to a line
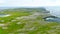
[32, 3]
[2, 1]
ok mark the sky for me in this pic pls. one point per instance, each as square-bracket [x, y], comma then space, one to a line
[28, 3]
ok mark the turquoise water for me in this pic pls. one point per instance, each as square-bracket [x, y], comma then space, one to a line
[4, 15]
[54, 10]
[54, 20]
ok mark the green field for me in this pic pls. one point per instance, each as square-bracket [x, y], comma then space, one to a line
[27, 21]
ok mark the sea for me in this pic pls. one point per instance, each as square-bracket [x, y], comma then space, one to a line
[54, 10]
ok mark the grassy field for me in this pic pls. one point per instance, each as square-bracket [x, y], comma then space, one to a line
[25, 22]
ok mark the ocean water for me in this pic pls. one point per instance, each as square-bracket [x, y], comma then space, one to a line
[54, 10]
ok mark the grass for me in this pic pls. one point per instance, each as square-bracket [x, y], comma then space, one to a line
[27, 25]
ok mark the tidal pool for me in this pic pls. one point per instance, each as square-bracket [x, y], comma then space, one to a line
[53, 19]
[4, 15]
